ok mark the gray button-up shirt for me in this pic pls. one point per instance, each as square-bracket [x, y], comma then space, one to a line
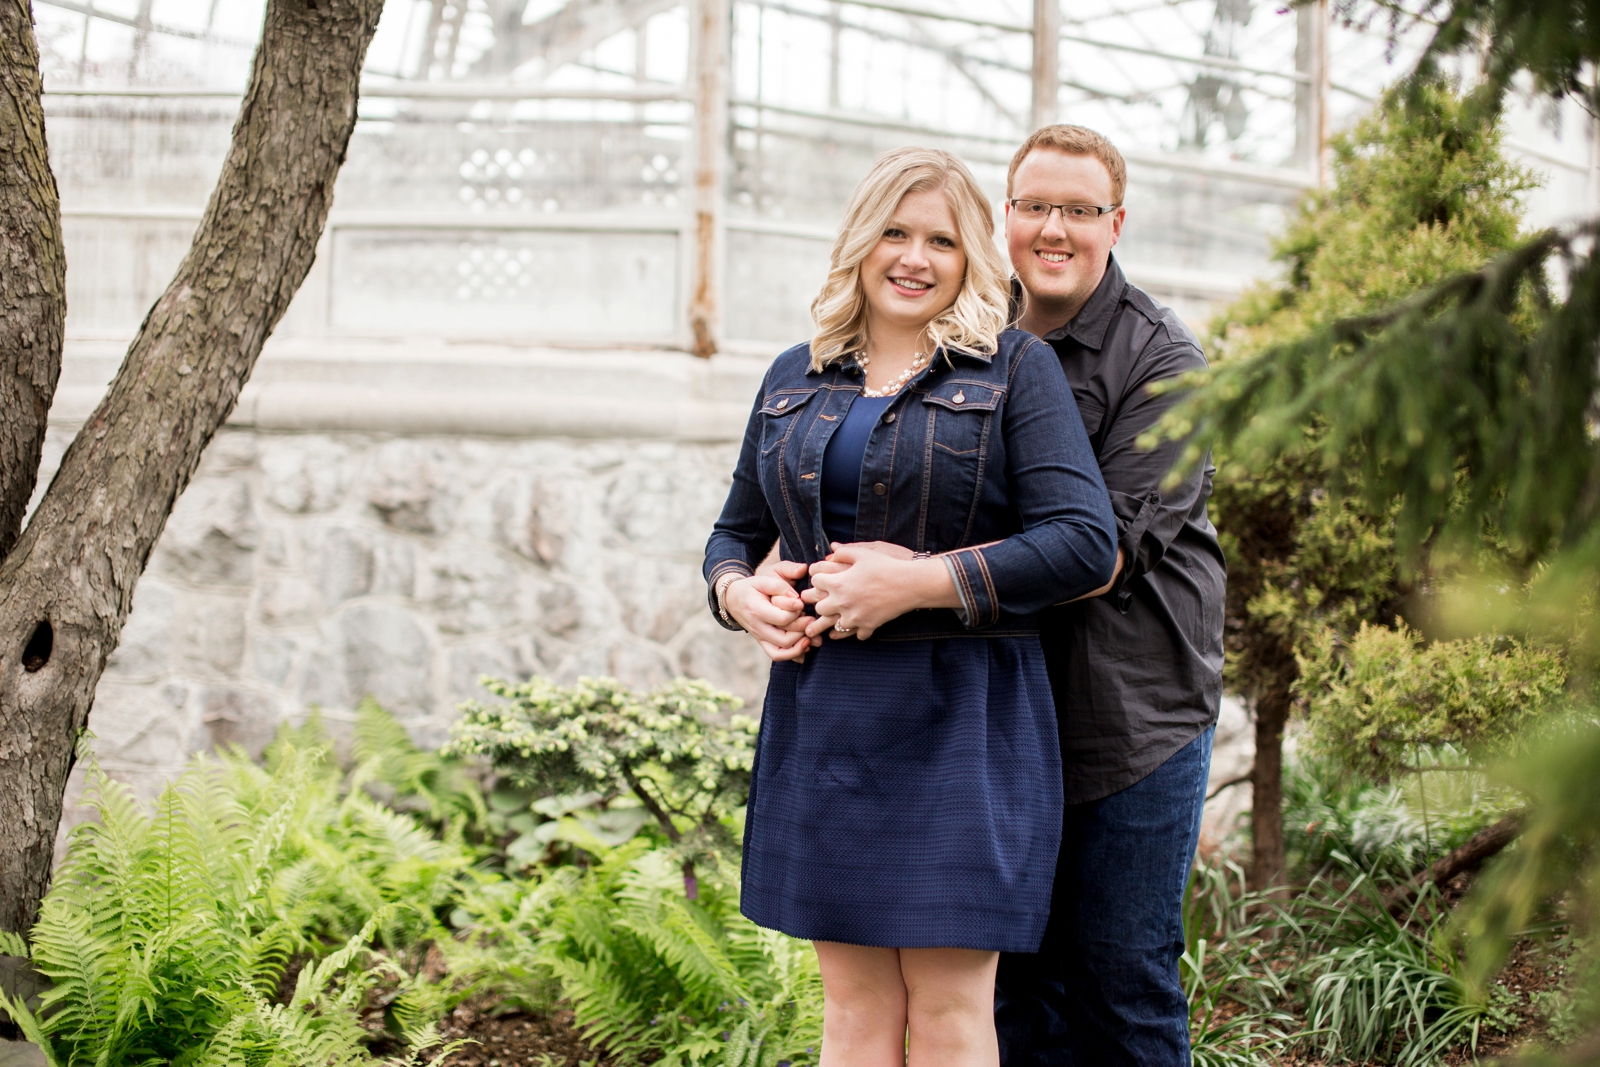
[1137, 673]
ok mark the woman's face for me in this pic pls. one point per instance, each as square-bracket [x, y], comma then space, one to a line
[916, 269]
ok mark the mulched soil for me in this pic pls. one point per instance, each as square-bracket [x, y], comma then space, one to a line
[516, 1039]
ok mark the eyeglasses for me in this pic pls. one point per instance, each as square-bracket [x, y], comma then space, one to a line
[1038, 211]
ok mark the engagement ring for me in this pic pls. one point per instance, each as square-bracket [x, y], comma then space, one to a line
[841, 629]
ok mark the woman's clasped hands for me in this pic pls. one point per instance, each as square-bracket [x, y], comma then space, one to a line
[770, 610]
[856, 589]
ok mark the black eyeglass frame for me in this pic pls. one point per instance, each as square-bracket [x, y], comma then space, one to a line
[1098, 208]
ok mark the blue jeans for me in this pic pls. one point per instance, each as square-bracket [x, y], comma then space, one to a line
[1103, 990]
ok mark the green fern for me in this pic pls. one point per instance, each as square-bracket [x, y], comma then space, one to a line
[168, 931]
[652, 975]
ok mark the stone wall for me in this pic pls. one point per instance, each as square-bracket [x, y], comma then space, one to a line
[303, 570]
[400, 521]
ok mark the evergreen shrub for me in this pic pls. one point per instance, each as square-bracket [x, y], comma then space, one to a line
[679, 751]
[1385, 694]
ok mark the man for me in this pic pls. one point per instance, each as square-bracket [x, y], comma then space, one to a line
[1137, 672]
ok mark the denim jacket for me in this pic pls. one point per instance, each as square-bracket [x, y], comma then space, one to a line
[980, 458]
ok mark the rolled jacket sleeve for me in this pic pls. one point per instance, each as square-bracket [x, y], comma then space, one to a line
[746, 530]
[1067, 546]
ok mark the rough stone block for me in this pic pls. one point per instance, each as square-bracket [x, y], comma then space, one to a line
[474, 589]
[635, 665]
[275, 546]
[731, 661]
[657, 596]
[665, 508]
[304, 474]
[212, 533]
[394, 566]
[287, 600]
[146, 642]
[560, 610]
[340, 558]
[150, 726]
[530, 515]
[210, 631]
[229, 452]
[272, 657]
[414, 486]
[371, 648]
[235, 716]
[511, 659]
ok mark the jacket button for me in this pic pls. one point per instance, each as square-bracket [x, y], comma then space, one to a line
[880, 489]
[959, 398]
[889, 417]
[783, 403]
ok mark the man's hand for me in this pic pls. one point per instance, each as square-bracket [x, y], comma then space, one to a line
[861, 586]
[769, 609]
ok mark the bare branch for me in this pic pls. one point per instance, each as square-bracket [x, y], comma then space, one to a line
[651, 805]
[1230, 783]
[1483, 845]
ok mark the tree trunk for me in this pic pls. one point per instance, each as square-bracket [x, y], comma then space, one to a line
[33, 270]
[1266, 786]
[66, 589]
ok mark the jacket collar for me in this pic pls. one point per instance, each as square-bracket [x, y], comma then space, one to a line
[1088, 327]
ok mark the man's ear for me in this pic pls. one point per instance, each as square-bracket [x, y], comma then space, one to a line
[1117, 219]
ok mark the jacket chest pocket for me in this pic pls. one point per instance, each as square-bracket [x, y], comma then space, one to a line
[959, 417]
[778, 416]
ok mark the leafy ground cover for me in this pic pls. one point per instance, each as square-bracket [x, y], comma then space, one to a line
[406, 907]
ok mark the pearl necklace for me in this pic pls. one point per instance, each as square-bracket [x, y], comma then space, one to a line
[918, 361]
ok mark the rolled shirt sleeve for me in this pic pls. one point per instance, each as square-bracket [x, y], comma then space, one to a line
[1149, 518]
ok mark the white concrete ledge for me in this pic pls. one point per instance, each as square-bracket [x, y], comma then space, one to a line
[319, 406]
[434, 387]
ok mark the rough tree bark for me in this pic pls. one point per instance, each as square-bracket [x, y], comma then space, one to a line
[66, 588]
[1266, 787]
[33, 270]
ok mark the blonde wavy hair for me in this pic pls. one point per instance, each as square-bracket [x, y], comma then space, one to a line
[974, 321]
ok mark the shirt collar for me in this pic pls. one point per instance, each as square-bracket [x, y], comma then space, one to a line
[1088, 327]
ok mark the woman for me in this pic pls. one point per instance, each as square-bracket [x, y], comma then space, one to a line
[906, 805]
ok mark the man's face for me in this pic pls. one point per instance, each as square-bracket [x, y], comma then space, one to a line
[1060, 262]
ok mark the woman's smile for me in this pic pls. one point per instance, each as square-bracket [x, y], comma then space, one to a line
[916, 269]
[910, 286]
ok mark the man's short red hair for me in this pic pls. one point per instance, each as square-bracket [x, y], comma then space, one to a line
[1075, 141]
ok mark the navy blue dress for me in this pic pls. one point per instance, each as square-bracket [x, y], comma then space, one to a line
[906, 794]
